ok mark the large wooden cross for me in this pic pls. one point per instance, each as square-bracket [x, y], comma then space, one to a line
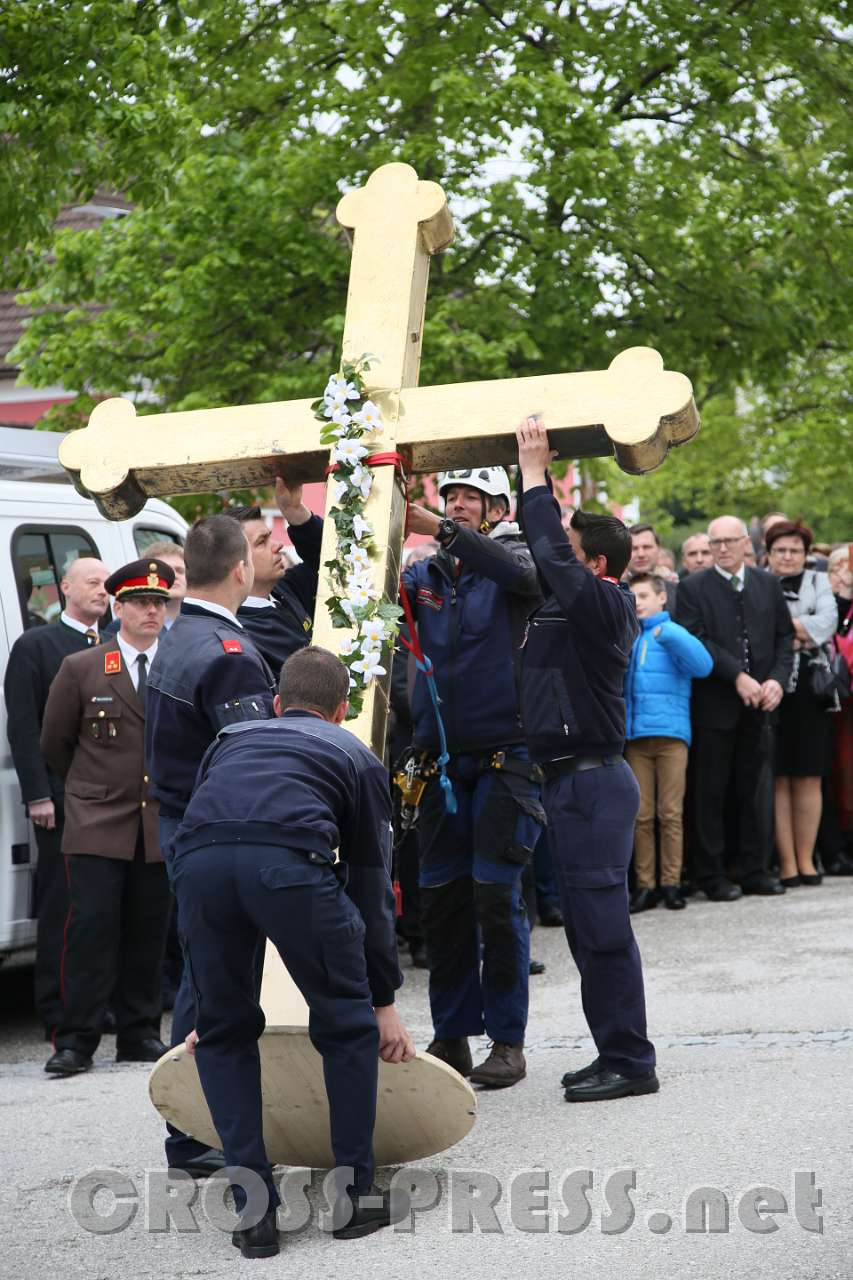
[633, 409]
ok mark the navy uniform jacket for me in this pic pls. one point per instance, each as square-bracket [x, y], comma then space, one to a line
[207, 674]
[470, 625]
[577, 648]
[285, 624]
[33, 664]
[303, 783]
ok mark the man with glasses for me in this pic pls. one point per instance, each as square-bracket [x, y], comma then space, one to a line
[741, 617]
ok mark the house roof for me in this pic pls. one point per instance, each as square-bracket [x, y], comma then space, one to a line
[79, 217]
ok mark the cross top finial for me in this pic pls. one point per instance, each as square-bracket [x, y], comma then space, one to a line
[397, 187]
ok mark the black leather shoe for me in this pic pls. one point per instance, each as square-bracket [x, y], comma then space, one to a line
[790, 882]
[418, 953]
[365, 1219]
[551, 916]
[642, 900]
[583, 1073]
[150, 1050]
[672, 898]
[204, 1165]
[723, 891]
[605, 1085]
[68, 1062]
[456, 1053]
[767, 886]
[259, 1241]
[816, 878]
[536, 967]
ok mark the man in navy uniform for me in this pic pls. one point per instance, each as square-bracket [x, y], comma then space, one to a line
[471, 601]
[93, 735]
[279, 612]
[575, 657]
[207, 674]
[255, 853]
[35, 659]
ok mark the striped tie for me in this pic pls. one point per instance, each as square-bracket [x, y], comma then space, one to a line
[92, 636]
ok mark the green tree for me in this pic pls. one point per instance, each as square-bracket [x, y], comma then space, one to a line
[672, 174]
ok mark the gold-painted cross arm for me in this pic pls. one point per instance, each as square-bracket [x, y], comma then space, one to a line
[634, 410]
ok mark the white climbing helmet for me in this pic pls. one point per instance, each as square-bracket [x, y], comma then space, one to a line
[492, 481]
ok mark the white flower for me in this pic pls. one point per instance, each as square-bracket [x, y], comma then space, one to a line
[349, 452]
[346, 605]
[339, 491]
[342, 416]
[361, 528]
[373, 629]
[358, 558]
[361, 478]
[369, 417]
[348, 646]
[357, 594]
[369, 666]
[337, 392]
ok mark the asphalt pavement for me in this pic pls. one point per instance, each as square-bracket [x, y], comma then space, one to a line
[739, 1167]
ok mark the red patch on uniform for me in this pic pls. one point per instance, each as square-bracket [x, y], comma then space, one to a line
[430, 598]
[232, 646]
[112, 663]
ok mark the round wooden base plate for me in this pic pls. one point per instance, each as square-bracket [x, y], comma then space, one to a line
[424, 1106]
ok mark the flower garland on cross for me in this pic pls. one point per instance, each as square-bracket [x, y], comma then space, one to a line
[349, 417]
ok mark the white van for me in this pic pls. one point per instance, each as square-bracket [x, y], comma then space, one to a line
[45, 523]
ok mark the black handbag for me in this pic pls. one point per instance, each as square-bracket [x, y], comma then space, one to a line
[827, 681]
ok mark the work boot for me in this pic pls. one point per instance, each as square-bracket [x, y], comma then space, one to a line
[456, 1053]
[504, 1066]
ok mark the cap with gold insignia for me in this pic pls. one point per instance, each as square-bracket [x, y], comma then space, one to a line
[141, 578]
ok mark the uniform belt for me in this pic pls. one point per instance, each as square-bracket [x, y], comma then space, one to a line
[576, 764]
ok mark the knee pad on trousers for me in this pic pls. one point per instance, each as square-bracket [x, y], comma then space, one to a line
[496, 908]
[447, 920]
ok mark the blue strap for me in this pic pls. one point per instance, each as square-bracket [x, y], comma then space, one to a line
[443, 758]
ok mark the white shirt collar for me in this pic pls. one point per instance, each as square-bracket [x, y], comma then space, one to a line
[82, 627]
[740, 576]
[212, 607]
[131, 653]
[258, 602]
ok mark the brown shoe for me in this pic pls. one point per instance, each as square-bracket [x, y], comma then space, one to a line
[456, 1053]
[504, 1066]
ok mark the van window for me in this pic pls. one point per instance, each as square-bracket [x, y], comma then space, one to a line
[40, 557]
[144, 536]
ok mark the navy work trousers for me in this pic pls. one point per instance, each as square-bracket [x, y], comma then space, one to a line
[227, 894]
[473, 911]
[179, 1147]
[591, 817]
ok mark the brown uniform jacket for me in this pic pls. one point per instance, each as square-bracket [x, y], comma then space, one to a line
[93, 735]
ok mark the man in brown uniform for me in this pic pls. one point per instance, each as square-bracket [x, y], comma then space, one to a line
[93, 735]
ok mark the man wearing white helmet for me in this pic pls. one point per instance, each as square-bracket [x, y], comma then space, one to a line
[471, 602]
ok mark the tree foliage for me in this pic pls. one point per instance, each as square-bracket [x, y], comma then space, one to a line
[620, 173]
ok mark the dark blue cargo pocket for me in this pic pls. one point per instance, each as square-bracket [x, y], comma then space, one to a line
[343, 957]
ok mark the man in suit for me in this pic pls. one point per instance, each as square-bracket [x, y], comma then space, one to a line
[741, 617]
[278, 614]
[35, 659]
[93, 735]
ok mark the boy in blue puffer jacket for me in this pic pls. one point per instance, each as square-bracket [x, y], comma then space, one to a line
[664, 660]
